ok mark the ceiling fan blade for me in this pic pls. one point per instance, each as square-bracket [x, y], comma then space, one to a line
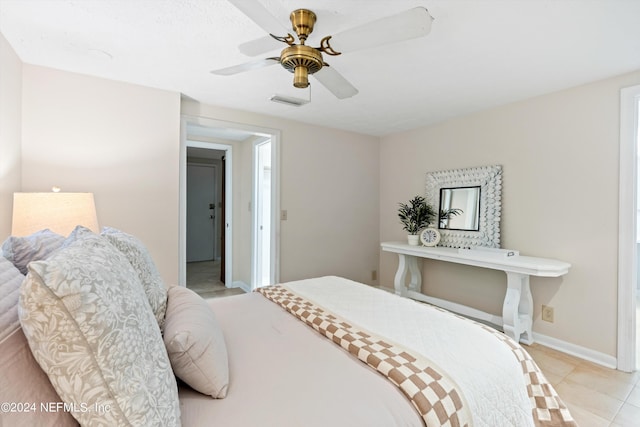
[407, 25]
[247, 66]
[260, 15]
[334, 81]
[260, 46]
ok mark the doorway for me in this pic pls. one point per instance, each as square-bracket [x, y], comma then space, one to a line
[248, 259]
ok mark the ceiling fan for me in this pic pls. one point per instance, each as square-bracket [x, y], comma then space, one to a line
[303, 60]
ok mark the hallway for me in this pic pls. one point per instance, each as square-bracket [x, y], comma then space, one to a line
[204, 278]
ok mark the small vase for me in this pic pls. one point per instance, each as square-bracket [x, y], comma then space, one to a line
[414, 239]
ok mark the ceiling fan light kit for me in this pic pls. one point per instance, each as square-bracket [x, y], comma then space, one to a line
[303, 60]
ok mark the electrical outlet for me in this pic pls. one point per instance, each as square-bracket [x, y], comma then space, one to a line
[283, 215]
[374, 274]
[547, 313]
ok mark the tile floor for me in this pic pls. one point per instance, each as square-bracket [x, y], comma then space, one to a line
[596, 396]
[204, 278]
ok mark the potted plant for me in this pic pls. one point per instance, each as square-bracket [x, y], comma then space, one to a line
[415, 216]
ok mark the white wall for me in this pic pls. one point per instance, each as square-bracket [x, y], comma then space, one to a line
[121, 141]
[117, 140]
[10, 132]
[559, 154]
[329, 186]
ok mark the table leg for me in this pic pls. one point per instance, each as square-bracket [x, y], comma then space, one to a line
[517, 311]
[407, 264]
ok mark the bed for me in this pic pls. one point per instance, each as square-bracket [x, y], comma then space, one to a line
[329, 378]
[324, 351]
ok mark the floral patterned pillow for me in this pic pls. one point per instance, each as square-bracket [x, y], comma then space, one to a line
[141, 260]
[90, 327]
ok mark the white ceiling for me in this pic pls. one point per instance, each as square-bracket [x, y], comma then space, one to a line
[479, 54]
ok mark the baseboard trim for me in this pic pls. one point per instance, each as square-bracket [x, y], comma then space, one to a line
[240, 284]
[562, 346]
[576, 350]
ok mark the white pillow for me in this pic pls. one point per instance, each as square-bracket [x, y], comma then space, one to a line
[89, 326]
[139, 257]
[195, 343]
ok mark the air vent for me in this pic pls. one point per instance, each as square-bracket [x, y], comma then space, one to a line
[289, 100]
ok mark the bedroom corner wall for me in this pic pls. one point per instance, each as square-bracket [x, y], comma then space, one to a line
[10, 132]
[118, 140]
[559, 154]
[329, 186]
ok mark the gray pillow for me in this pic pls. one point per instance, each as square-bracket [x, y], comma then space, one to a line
[140, 258]
[39, 245]
[106, 350]
[10, 280]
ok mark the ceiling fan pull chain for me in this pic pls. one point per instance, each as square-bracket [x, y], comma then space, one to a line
[326, 47]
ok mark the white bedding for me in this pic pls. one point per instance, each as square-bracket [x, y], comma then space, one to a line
[484, 368]
[285, 374]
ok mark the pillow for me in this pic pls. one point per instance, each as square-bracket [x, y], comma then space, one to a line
[141, 260]
[23, 382]
[10, 280]
[195, 343]
[39, 245]
[90, 327]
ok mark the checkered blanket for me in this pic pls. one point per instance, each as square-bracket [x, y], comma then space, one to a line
[548, 409]
[435, 395]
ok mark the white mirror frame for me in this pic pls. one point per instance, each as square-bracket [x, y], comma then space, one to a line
[489, 178]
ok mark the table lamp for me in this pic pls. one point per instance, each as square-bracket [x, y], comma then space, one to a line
[57, 211]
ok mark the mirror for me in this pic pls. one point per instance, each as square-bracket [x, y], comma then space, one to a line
[459, 208]
[475, 195]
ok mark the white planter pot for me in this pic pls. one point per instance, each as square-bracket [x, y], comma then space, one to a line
[414, 239]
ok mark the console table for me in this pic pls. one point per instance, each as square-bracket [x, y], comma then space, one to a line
[517, 309]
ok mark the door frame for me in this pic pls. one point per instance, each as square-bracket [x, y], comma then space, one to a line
[275, 136]
[255, 223]
[182, 222]
[627, 229]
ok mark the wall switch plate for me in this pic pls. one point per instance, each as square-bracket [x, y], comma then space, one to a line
[547, 313]
[283, 215]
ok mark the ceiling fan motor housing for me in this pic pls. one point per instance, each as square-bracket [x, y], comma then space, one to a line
[301, 60]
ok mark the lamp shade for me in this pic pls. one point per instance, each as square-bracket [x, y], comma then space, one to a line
[59, 212]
